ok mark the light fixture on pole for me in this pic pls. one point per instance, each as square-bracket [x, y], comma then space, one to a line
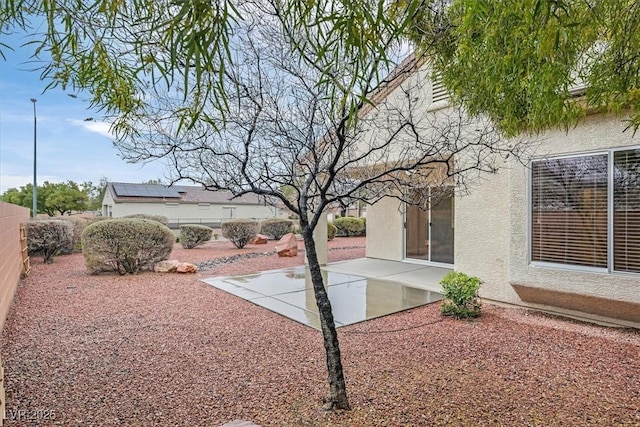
[35, 144]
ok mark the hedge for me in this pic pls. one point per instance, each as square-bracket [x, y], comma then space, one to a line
[350, 226]
[49, 238]
[125, 245]
[192, 235]
[240, 231]
[160, 218]
[275, 228]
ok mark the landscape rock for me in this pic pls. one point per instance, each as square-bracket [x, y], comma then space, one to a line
[260, 239]
[287, 246]
[168, 266]
[186, 267]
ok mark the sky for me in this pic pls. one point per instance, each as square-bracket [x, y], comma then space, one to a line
[68, 146]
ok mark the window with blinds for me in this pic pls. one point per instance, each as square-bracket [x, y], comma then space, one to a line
[626, 211]
[569, 211]
[570, 219]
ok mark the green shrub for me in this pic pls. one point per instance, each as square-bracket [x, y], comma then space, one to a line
[160, 218]
[125, 245]
[461, 295]
[78, 224]
[240, 231]
[49, 238]
[349, 226]
[192, 235]
[275, 228]
[331, 231]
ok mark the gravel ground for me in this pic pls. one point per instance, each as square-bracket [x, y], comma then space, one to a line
[168, 350]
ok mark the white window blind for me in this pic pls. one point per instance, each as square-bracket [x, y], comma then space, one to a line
[626, 218]
[569, 211]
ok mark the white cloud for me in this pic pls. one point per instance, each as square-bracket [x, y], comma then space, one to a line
[94, 126]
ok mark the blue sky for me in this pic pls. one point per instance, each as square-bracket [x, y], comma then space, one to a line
[68, 147]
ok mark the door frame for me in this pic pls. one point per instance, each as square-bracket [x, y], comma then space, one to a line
[429, 219]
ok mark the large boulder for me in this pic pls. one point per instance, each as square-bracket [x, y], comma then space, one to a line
[287, 246]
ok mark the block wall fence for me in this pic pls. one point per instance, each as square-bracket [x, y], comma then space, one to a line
[11, 216]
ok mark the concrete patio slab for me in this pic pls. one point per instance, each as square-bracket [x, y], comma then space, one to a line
[358, 290]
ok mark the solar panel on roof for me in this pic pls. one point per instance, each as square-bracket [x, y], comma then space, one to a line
[144, 190]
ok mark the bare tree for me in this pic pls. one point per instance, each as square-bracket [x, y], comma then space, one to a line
[286, 126]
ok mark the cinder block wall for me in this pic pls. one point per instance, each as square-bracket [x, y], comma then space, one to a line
[11, 216]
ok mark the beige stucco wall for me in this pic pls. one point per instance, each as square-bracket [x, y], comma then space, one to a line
[385, 230]
[187, 211]
[492, 226]
[11, 267]
[182, 213]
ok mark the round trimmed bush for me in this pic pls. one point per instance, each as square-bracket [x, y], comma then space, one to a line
[192, 235]
[275, 228]
[49, 238]
[160, 218]
[349, 226]
[240, 231]
[125, 245]
[331, 231]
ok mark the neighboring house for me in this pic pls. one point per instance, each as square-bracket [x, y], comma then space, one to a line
[560, 233]
[183, 204]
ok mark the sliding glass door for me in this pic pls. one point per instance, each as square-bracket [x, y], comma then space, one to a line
[429, 231]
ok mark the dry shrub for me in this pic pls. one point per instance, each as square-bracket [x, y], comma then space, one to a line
[160, 218]
[49, 238]
[192, 235]
[240, 231]
[125, 245]
[275, 228]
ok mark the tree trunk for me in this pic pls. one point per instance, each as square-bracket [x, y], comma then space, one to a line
[337, 398]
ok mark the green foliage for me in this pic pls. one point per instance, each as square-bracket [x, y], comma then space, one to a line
[53, 198]
[461, 295]
[23, 197]
[159, 218]
[350, 226]
[49, 238]
[519, 61]
[95, 193]
[192, 235]
[240, 231]
[331, 231]
[125, 245]
[62, 198]
[275, 228]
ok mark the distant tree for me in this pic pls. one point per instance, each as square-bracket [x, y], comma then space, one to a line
[63, 198]
[23, 197]
[95, 193]
[53, 198]
[157, 181]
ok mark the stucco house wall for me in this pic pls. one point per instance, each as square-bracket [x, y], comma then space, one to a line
[385, 230]
[179, 212]
[193, 206]
[492, 230]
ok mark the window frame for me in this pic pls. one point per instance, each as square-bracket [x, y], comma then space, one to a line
[610, 153]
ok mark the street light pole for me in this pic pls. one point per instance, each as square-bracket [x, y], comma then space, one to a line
[35, 144]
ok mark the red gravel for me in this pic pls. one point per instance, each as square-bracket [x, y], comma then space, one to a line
[167, 349]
